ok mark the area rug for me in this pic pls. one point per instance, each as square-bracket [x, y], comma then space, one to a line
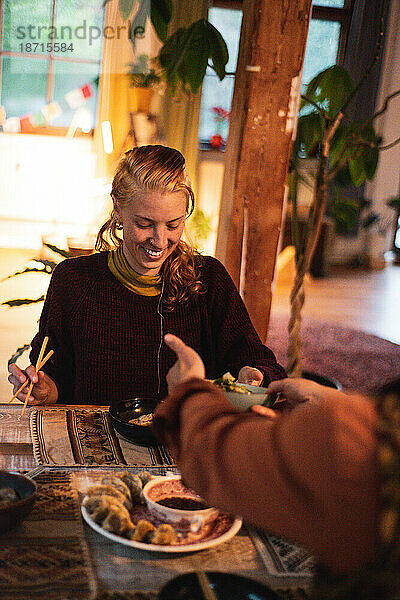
[359, 361]
[47, 556]
[86, 437]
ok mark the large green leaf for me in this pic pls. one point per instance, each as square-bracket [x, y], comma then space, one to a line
[345, 212]
[161, 13]
[330, 89]
[357, 170]
[139, 22]
[343, 177]
[218, 50]
[310, 131]
[125, 7]
[184, 56]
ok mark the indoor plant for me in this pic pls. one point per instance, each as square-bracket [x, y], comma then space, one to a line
[346, 151]
[184, 55]
[142, 79]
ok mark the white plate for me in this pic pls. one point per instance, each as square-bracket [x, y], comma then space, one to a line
[224, 537]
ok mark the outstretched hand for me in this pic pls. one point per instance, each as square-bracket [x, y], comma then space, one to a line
[296, 390]
[188, 365]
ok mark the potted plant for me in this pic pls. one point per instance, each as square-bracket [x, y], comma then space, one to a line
[345, 151]
[185, 55]
[142, 80]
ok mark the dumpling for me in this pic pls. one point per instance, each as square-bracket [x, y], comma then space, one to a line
[145, 477]
[142, 531]
[164, 535]
[98, 506]
[117, 519]
[109, 490]
[117, 483]
[134, 483]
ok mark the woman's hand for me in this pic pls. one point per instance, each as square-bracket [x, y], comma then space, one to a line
[250, 375]
[188, 365]
[44, 390]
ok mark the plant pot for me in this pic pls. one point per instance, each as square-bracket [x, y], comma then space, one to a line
[140, 99]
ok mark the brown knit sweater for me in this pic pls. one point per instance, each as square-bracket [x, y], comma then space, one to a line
[106, 338]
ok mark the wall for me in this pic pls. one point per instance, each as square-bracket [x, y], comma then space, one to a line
[386, 182]
[47, 188]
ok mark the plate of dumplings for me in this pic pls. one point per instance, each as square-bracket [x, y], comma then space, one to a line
[116, 509]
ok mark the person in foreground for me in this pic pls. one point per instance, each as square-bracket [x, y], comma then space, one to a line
[105, 314]
[324, 474]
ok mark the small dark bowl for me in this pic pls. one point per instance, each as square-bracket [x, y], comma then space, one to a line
[12, 513]
[227, 586]
[122, 412]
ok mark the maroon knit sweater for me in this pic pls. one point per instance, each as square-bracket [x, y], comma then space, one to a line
[106, 338]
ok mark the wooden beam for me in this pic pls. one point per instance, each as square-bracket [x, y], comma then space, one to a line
[264, 111]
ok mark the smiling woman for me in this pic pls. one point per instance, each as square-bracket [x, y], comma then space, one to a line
[106, 314]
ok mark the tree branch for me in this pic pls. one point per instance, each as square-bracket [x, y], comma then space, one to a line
[386, 103]
[391, 145]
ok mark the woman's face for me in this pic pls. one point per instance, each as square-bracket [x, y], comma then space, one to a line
[153, 225]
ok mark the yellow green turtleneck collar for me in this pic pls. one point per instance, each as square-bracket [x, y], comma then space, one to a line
[145, 285]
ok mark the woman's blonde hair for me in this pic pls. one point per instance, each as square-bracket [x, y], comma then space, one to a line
[162, 169]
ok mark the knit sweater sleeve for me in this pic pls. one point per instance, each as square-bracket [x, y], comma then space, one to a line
[237, 343]
[310, 475]
[55, 323]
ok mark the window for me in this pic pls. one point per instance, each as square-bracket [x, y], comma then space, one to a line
[326, 41]
[49, 50]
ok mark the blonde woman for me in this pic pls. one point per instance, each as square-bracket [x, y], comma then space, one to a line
[106, 314]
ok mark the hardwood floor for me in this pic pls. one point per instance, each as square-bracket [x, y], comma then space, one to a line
[358, 299]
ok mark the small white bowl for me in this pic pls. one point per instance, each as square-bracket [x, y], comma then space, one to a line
[258, 395]
[162, 488]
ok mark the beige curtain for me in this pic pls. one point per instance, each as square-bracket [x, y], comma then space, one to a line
[180, 115]
[116, 98]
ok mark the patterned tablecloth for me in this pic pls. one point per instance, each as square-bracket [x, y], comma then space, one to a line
[32, 558]
[69, 436]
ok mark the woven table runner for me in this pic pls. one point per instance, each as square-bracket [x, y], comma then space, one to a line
[47, 557]
[86, 437]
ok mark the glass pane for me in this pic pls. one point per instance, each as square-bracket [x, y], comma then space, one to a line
[215, 93]
[80, 23]
[26, 22]
[228, 23]
[334, 3]
[23, 85]
[70, 76]
[322, 48]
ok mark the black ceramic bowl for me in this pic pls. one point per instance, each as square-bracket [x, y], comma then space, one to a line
[13, 512]
[135, 408]
[227, 586]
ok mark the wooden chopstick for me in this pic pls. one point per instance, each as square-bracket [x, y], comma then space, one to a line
[38, 363]
[205, 586]
[23, 386]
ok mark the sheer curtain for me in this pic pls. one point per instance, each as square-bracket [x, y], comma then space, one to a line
[181, 113]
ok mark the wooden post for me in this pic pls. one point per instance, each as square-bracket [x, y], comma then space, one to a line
[263, 117]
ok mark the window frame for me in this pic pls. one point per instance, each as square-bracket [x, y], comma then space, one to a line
[342, 15]
[51, 57]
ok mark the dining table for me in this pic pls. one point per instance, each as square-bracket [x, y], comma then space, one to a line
[56, 554]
